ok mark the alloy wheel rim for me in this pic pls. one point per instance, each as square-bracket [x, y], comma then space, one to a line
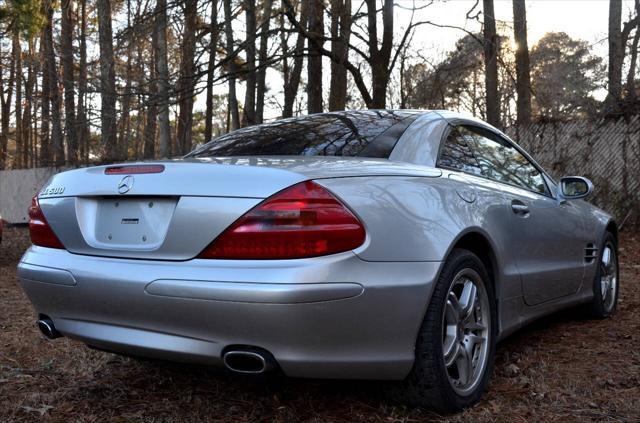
[608, 277]
[466, 328]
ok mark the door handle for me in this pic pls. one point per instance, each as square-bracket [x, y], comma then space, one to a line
[520, 208]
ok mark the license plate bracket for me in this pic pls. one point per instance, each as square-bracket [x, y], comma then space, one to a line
[128, 223]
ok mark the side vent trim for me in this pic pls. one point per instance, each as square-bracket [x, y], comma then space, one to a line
[590, 253]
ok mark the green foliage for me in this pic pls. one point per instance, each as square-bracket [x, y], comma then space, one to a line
[457, 82]
[24, 16]
[564, 75]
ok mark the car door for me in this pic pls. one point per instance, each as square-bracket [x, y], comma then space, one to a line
[545, 233]
[489, 207]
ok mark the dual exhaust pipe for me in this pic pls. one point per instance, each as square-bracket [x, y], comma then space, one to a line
[47, 328]
[248, 360]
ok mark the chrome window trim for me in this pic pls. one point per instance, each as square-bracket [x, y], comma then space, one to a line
[548, 192]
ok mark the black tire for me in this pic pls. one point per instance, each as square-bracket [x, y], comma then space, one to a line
[428, 384]
[598, 309]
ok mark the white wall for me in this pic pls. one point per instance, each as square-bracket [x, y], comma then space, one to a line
[17, 187]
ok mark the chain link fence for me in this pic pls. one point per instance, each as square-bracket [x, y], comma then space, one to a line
[605, 151]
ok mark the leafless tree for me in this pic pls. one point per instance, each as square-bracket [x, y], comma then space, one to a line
[66, 57]
[213, 51]
[523, 78]
[618, 36]
[314, 60]
[249, 115]
[491, 64]
[262, 60]
[232, 100]
[83, 132]
[187, 81]
[162, 85]
[340, 36]
[291, 74]
[107, 82]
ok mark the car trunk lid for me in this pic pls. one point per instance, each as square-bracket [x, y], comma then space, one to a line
[173, 214]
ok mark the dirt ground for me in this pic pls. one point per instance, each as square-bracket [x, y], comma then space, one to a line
[564, 367]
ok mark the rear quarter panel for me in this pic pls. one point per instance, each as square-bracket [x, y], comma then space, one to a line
[418, 219]
[421, 219]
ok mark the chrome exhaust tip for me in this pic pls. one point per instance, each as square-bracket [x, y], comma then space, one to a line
[48, 329]
[248, 361]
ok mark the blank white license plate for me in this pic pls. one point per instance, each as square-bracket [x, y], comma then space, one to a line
[133, 222]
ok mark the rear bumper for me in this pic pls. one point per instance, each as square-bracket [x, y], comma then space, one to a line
[334, 317]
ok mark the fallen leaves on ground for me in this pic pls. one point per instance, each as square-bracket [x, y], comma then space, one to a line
[563, 367]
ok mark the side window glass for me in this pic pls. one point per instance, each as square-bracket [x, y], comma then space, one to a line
[457, 154]
[500, 161]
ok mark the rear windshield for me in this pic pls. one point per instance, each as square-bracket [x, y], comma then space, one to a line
[371, 133]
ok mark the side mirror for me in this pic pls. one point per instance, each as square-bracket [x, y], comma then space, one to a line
[574, 187]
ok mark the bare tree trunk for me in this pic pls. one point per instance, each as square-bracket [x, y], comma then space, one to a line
[107, 82]
[491, 64]
[523, 79]
[293, 81]
[149, 134]
[56, 125]
[213, 49]
[616, 54]
[314, 61]
[36, 106]
[284, 47]
[249, 115]
[164, 130]
[150, 131]
[32, 127]
[57, 147]
[138, 144]
[5, 118]
[340, 34]
[17, 58]
[403, 86]
[150, 120]
[82, 123]
[124, 136]
[174, 139]
[66, 57]
[45, 98]
[233, 100]
[28, 108]
[262, 59]
[631, 76]
[186, 83]
[3, 140]
[380, 57]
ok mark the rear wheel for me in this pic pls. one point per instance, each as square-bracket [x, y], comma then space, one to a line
[605, 283]
[456, 344]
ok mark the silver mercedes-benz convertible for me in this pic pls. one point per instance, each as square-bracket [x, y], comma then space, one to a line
[390, 245]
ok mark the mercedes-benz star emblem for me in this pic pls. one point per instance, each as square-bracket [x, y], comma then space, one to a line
[125, 184]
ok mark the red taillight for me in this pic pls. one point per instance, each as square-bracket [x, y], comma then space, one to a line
[41, 232]
[304, 220]
[134, 169]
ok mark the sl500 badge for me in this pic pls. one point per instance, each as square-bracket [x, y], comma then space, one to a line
[52, 191]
